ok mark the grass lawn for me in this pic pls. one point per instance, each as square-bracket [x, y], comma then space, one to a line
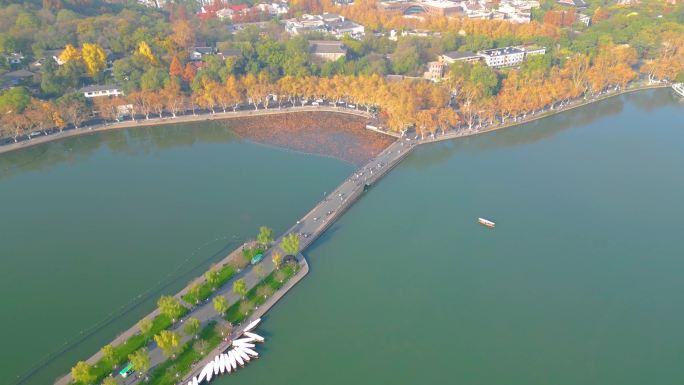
[103, 367]
[165, 373]
[235, 316]
[225, 274]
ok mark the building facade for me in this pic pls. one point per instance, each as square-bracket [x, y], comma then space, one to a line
[503, 57]
[96, 91]
[328, 50]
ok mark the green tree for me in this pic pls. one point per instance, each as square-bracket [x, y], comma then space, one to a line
[192, 327]
[213, 276]
[71, 73]
[484, 78]
[220, 305]
[153, 79]
[50, 82]
[109, 381]
[240, 288]
[168, 342]
[290, 244]
[127, 72]
[265, 236]
[536, 66]
[296, 57]
[14, 100]
[170, 307]
[406, 60]
[108, 353]
[83, 373]
[145, 326]
[140, 360]
[195, 291]
[8, 43]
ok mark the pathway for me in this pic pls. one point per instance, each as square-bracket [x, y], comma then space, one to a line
[179, 119]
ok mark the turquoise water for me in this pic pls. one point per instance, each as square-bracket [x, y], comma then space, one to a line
[95, 224]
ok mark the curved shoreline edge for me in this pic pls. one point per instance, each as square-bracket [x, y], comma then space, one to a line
[87, 130]
[255, 113]
[312, 109]
[546, 114]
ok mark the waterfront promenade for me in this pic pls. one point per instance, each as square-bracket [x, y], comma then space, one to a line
[185, 118]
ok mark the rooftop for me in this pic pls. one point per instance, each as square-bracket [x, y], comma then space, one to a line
[459, 54]
[99, 87]
[326, 46]
[501, 51]
[230, 52]
[18, 74]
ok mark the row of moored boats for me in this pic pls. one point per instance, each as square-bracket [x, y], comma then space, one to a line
[240, 353]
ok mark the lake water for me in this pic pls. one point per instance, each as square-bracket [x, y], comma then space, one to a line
[96, 224]
[580, 282]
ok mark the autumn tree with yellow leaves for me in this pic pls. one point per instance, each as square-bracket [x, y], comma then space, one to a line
[145, 51]
[94, 58]
[69, 53]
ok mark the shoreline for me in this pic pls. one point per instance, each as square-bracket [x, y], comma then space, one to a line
[543, 115]
[129, 124]
[221, 116]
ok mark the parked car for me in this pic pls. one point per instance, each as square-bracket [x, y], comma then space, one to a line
[256, 259]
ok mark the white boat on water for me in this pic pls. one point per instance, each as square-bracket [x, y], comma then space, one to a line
[209, 370]
[222, 363]
[242, 354]
[243, 341]
[231, 360]
[256, 337]
[252, 325]
[250, 352]
[486, 222]
[239, 359]
[226, 361]
[244, 345]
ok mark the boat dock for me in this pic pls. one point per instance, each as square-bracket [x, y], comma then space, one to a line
[678, 88]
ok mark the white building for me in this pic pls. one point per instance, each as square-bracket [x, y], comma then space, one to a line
[198, 53]
[532, 50]
[454, 56]
[503, 57]
[584, 19]
[96, 91]
[273, 9]
[327, 22]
